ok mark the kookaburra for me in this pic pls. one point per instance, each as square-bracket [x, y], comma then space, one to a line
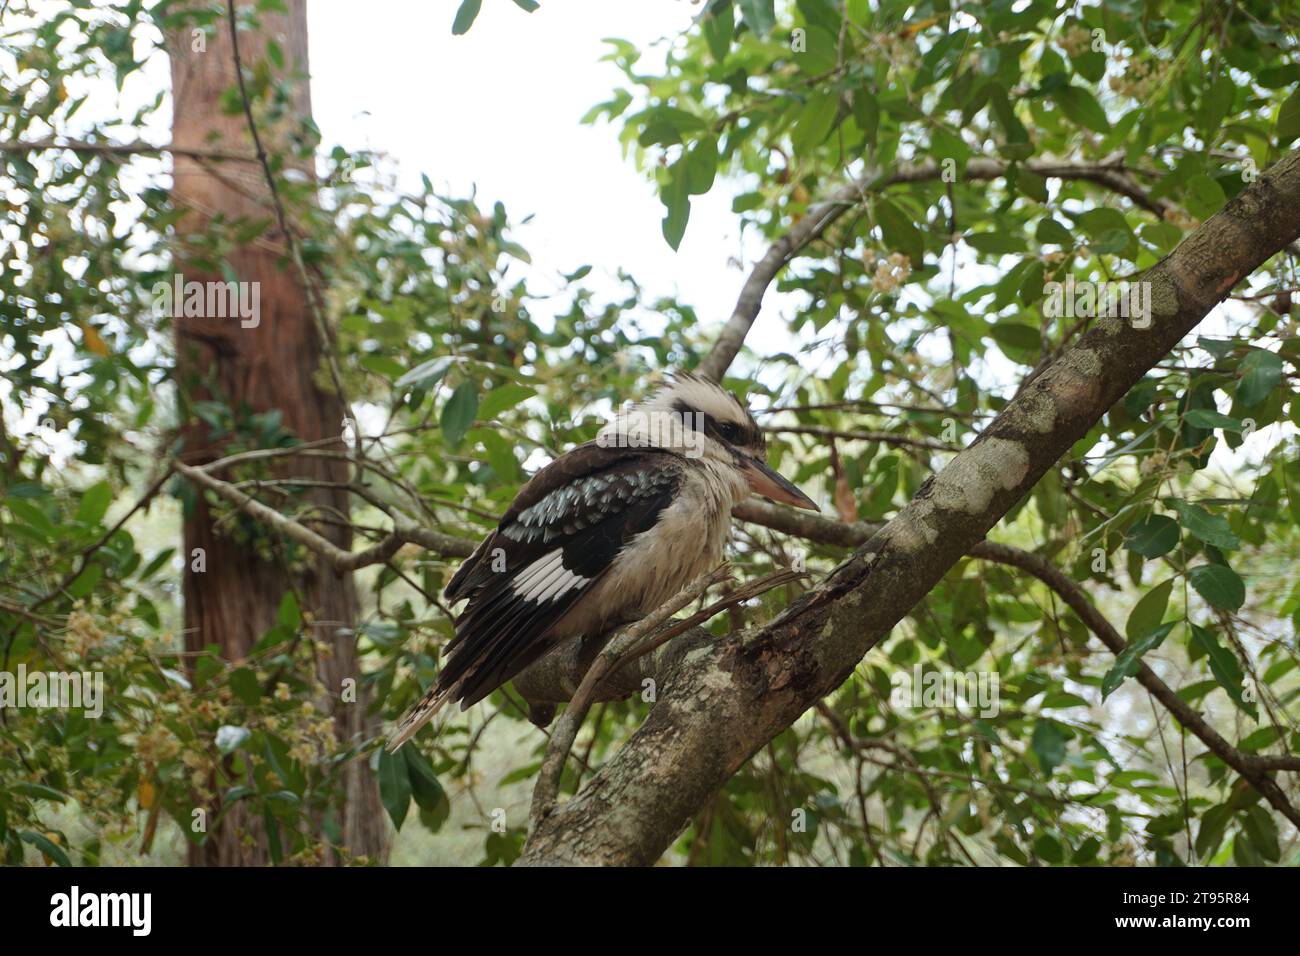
[602, 536]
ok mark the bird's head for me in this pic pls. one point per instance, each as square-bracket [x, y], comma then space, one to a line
[696, 418]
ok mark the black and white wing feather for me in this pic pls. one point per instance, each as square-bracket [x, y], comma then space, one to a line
[561, 534]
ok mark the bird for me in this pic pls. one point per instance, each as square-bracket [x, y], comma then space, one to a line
[602, 536]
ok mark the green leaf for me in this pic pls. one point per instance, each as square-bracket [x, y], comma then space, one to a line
[1212, 529]
[459, 413]
[701, 165]
[899, 232]
[664, 125]
[384, 365]
[85, 581]
[819, 51]
[273, 843]
[244, 685]
[759, 15]
[37, 791]
[499, 399]
[516, 250]
[677, 204]
[1108, 231]
[1017, 145]
[156, 563]
[1048, 744]
[94, 503]
[1223, 665]
[1210, 834]
[46, 846]
[1051, 231]
[1261, 371]
[1221, 586]
[995, 243]
[866, 113]
[1149, 611]
[1017, 337]
[1091, 65]
[1082, 108]
[1126, 663]
[1205, 418]
[1032, 185]
[500, 453]
[32, 515]
[1216, 102]
[522, 772]
[528, 6]
[1048, 848]
[465, 17]
[425, 788]
[395, 785]
[815, 121]
[718, 24]
[1031, 288]
[426, 374]
[1219, 348]
[1262, 830]
[1153, 536]
[1288, 119]
[1204, 196]
[288, 614]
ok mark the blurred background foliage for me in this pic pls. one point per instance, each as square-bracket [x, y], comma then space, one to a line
[921, 311]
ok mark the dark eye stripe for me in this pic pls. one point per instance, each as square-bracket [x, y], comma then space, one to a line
[745, 436]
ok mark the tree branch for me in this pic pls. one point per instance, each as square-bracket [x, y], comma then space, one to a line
[819, 218]
[121, 149]
[404, 531]
[885, 438]
[1253, 768]
[566, 731]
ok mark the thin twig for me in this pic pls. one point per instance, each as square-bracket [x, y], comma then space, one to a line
[121, 149]
[884, 438]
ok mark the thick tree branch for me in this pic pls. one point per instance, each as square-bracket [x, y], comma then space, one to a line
[720, 705]
[566, 732]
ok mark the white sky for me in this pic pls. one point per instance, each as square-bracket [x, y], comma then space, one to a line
[498, 108]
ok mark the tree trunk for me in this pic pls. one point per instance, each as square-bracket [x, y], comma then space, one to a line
[273, 365]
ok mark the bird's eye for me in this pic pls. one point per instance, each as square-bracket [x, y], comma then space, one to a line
[728, 431]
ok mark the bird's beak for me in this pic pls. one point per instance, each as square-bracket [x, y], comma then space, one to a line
[773, 486]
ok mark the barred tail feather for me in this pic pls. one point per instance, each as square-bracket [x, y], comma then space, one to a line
[419, 715]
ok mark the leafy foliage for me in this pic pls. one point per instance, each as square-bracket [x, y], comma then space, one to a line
[922, 309]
